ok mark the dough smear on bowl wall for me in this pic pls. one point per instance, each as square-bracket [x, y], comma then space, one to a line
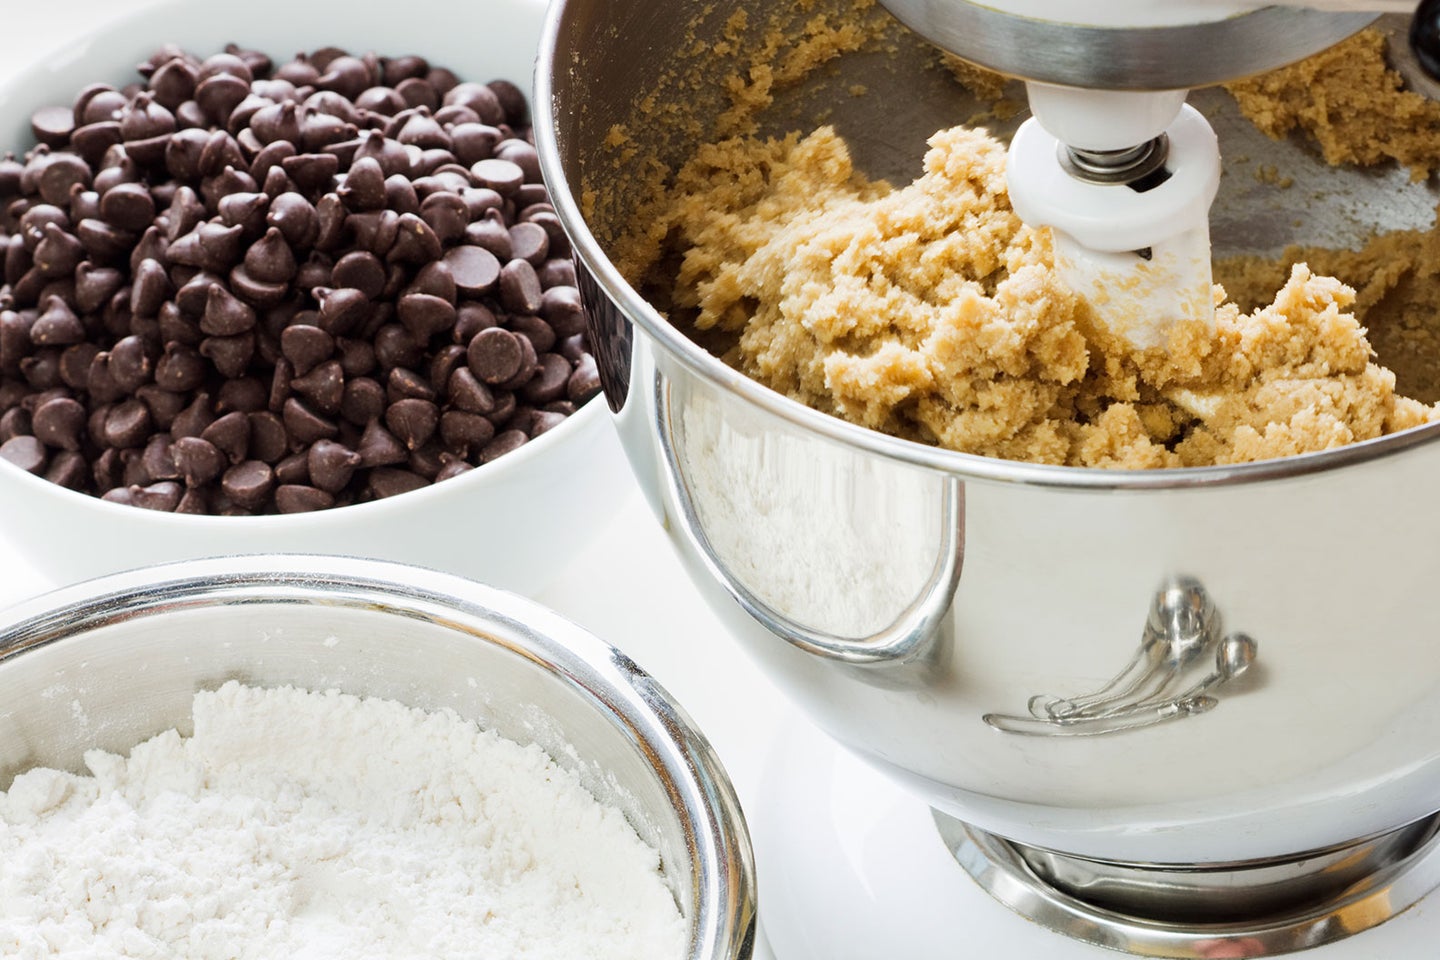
[292, 291]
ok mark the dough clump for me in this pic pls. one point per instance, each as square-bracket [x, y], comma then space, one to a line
[932, 313]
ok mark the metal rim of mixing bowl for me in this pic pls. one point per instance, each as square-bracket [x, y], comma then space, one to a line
[690, 773]
[1147, 58]
[1384, 876]
[676, 345]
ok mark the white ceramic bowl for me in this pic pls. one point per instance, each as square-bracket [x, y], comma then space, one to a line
[509, 523]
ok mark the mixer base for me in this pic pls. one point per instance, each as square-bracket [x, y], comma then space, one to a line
[852, 867]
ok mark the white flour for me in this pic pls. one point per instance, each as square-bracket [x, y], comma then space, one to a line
[316, 826]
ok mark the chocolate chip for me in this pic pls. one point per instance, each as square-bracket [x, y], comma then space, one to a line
[502, 176]
[519, 287]
[412, 421]
[226, 315]
[57, 325]
[323, 387]
[362, 271]
[248, 483]
[299, 498]
[230, 356]
[60, 422]
[296, 218]
[475, 269]
[425, 316]
[180, 368]
[198, 460]
[304, 424]
[268, 437]
[390, 482]
[270, 259]
[506, 442]
[563, 310]
[379, 447]
[584, 382]
[495, 355]
[331, 465]
[550, 382]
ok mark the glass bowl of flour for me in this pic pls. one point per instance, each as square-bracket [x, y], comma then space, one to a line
[317, 757]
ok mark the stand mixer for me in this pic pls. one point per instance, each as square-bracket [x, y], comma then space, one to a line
[1180, 713]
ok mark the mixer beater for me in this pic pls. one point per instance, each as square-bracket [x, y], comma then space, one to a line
[1113, 160]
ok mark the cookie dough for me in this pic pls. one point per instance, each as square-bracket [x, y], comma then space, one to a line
[932, 313]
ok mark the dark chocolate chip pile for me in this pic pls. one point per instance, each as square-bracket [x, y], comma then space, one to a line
[241, 288]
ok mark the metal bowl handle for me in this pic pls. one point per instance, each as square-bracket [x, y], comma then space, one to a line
[907, 638]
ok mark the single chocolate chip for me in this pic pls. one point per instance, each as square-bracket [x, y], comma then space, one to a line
[199, 461]
[230, 356]
[389, 482]
[502, 176]
[478, 98]
[225, 314]
[495, 355]
[60, 422]
[164, 406]
[341, 310]
[57, 325]
[248, 483]
[490, 233]
[464, 432]
[512, 100]
[364, 400]
[412, 421]
[127, 424]
[503, 443]
[268, 437]
[305, 346]
[465, 392]
[379, 447]
[404, 384]
[293, 469]
[364, 185]
[360, 270]
[299, 498]
[418, 92]
[415, 242]
[584, 382]
[475, 269]
[180, 369]
[270, 259]
[68, 469]
[296, 218]
[130, 363]
[52, 126]
[443, 365]
[425, 316]
[540, 334]
[323, 387]
[230, 434]
[158, 459]
[331, 465]
[163, 496]
[562, 308]
[519, 287]
[304, 424]
[529, 241]
[550, 382]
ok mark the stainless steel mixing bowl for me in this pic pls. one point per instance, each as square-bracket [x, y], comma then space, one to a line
[1193, 666]
[115, 661]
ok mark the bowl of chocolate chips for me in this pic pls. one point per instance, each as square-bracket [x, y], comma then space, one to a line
[287, 278]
